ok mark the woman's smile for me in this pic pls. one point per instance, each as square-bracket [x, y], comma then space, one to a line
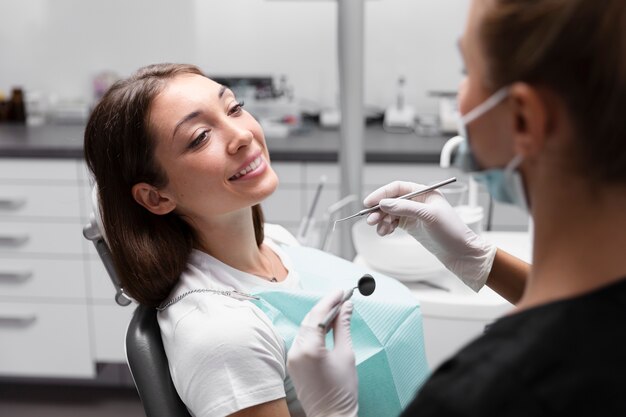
[250, 169]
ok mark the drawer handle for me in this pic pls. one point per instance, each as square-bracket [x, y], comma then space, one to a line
[11, 203]
[17, 321]
[9, 276]
[13, 241]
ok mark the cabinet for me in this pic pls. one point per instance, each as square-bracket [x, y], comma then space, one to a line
[44, 315]
[57, 313]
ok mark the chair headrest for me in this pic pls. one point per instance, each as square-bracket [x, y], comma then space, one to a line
[96, 212]
[94, 231]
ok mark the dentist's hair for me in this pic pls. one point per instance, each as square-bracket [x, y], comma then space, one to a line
[149, 251]
[577, 49]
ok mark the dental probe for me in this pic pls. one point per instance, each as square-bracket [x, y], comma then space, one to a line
[366, 286]
[404, 197]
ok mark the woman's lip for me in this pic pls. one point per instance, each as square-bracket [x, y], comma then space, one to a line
[248, 162]
[259, 170]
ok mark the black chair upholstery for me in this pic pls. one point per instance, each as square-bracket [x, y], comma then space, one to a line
[149, 367]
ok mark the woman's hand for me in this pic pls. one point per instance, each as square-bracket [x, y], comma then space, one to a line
[431, 220]
[325, 380]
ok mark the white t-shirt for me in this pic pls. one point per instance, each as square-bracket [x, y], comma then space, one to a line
[224, 354]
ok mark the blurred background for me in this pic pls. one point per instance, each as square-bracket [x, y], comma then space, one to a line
[56, 48]
[61, 331]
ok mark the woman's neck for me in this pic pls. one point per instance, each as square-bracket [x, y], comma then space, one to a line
[231, 239]
[579, 238]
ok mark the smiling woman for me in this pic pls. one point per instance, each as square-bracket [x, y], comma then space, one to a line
[181, 170]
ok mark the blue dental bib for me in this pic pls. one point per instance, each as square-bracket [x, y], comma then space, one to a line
[386, 327]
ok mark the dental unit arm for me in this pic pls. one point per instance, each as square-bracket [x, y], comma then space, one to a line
[445, 161]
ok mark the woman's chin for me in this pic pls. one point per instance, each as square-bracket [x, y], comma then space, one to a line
[270, 187]
[264, 189]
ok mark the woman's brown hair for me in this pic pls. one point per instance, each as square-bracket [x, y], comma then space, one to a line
[576, 48]
[149, 251]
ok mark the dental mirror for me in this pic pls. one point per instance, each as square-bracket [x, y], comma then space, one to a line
[366, 286]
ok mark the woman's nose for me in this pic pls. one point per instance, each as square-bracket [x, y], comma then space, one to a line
[237, 136]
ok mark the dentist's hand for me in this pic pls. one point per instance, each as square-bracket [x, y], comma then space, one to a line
[325, 380]
[431, 220]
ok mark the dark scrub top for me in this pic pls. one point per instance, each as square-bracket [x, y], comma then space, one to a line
[566, 358]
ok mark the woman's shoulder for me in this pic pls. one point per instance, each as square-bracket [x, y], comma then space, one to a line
[219, 348]
[205, 319]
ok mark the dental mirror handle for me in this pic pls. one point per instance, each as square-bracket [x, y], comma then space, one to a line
[333, 313]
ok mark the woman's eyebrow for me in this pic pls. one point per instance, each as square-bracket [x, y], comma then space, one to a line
[225, 90]
[196, 113]
[184, 120]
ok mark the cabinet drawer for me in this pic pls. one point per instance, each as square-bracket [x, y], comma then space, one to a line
[42, 278]
[316, 170]
[288, 172]
[44, 340]
[50, 201]
[330, 195]
[38, 169]
[110, 324]
[41, 238]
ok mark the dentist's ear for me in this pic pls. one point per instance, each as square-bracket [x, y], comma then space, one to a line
[152, 199]
[531, 118]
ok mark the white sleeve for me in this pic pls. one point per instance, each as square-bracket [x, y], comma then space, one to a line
[224, 363]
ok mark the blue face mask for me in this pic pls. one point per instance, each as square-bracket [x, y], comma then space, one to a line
[504, 184]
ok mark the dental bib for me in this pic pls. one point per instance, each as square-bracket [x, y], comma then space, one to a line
[386, 327]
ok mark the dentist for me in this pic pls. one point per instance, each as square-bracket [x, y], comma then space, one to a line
[543, 103]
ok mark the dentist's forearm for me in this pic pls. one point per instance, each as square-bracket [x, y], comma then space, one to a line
[508, 276]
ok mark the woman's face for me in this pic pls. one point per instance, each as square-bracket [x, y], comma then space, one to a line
[490, 134]
[213, 152]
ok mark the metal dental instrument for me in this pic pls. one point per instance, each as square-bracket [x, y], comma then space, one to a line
[308, 220]
[366, 286]
[404, 197]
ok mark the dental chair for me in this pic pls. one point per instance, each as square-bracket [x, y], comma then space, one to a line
[144, 348]
[149, 367]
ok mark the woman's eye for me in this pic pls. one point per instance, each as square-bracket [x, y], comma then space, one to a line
[199, 139]
[236, 109]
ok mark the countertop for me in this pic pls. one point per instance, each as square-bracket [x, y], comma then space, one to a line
[313, 144]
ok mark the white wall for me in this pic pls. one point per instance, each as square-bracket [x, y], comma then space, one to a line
[56, 46]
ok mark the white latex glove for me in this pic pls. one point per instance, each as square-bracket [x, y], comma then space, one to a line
[325, 380]
[431, 220]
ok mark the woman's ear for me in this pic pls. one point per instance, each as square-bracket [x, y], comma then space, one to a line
[531, 119]
[152, 199]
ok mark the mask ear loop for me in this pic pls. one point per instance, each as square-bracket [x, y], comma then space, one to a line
[485, 106]
[514, 178]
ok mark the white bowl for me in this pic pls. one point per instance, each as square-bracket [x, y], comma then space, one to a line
[398, 254]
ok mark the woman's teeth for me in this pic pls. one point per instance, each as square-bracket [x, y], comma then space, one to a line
[253, 165]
